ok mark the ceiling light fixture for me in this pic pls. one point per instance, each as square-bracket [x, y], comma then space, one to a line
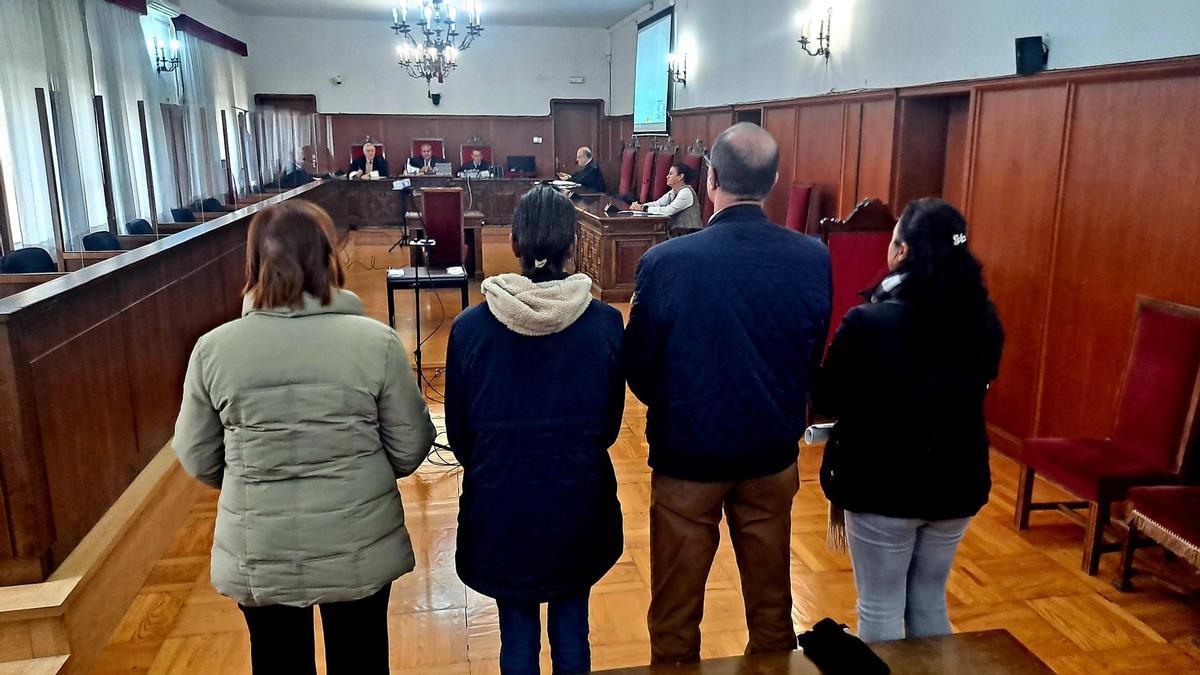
[435, 55]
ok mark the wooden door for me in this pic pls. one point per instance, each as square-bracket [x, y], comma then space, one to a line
[576, 123]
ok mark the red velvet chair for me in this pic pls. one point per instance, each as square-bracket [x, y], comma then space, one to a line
[464, 154]
[647, 176]
[802, 207]
[438, 144]
[859, 262]
[442, 211]
[356, 151]
[662, 164]
[858, 248]
[694, 162]
[1167, 515]
[628, 159]
[1152, 438]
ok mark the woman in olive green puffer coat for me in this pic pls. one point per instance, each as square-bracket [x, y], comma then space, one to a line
[304, 413]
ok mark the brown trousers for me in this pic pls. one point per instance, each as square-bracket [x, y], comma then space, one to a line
[684, 533]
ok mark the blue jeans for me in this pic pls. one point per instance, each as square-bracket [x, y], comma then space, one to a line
[900, 571]
[521, 635]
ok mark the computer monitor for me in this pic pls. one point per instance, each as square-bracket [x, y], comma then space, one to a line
[522, 165]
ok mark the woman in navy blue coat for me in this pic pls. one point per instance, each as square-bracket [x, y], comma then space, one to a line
[534, 397]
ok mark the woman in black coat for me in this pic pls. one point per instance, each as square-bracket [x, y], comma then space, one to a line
[534, 398]
[905, 378]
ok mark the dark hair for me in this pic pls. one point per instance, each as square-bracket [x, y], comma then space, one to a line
[544, 229]
[290, 252]
[745, 168]
[943, 281]
[688, 173]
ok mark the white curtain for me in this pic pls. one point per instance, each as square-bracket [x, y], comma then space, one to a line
[206, 175]
[124, 75]
[288, 140]
[76, 137]
[214, 81]
[23, 69]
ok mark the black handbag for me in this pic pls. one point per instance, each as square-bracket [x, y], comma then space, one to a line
[832, 649]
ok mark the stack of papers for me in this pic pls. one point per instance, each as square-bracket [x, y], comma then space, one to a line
[456, 271]
[395, 274]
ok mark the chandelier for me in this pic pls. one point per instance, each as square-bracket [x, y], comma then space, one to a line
[437, 20]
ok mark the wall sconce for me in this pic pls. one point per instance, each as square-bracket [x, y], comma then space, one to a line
[822, 39]
[161, 62]
[677, 66]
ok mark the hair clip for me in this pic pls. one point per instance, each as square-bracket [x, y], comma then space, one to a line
[959, 239]
[540, 263]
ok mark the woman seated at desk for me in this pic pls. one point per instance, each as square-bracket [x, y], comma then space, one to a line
[368, 166]
[680, 202]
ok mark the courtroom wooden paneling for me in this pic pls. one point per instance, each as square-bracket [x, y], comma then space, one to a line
[954, 176]
[1128, 225]
[576, 123]
[506, 135]
[1010, 212]
[920, 151]
[87, 422]
[820, 134]
[875, 147]
[781, 123]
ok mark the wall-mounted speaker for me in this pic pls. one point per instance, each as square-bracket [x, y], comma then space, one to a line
[1032, 55]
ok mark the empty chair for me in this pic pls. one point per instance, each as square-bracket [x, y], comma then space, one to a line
[628, 157]
[183, 215]
[28, 261]
[211, 204]
[858, 249]
[801, 207]
[1151, 438]
[101, 241]
[695, 162]
[139, 226]
[1168, 515]
[442, 213]
[647, 176]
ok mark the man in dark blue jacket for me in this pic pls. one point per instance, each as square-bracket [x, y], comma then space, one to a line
[725, 332]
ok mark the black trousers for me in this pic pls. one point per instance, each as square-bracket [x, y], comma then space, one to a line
[356, 637]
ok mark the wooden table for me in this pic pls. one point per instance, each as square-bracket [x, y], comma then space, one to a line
[989, 652]
[608, 247]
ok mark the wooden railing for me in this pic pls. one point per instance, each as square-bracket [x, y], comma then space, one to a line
[91, 373]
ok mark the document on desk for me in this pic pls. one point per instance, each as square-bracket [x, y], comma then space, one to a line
[396, 274]
[456, 271]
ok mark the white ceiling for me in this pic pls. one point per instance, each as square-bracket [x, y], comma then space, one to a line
[580, 13]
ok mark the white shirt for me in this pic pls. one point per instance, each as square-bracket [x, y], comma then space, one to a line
[410, 170]
[672, 202]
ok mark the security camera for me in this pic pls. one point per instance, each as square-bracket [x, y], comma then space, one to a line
[437, 98]
[337, 79]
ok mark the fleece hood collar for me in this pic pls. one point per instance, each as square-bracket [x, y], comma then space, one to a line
[541, 308]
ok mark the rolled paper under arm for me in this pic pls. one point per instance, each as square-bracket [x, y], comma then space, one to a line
[817, 433]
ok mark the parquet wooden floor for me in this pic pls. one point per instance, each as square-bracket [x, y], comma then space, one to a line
[1027, 582]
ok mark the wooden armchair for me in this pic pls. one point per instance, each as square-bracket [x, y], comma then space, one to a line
[1153, 436]
[858, 248]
